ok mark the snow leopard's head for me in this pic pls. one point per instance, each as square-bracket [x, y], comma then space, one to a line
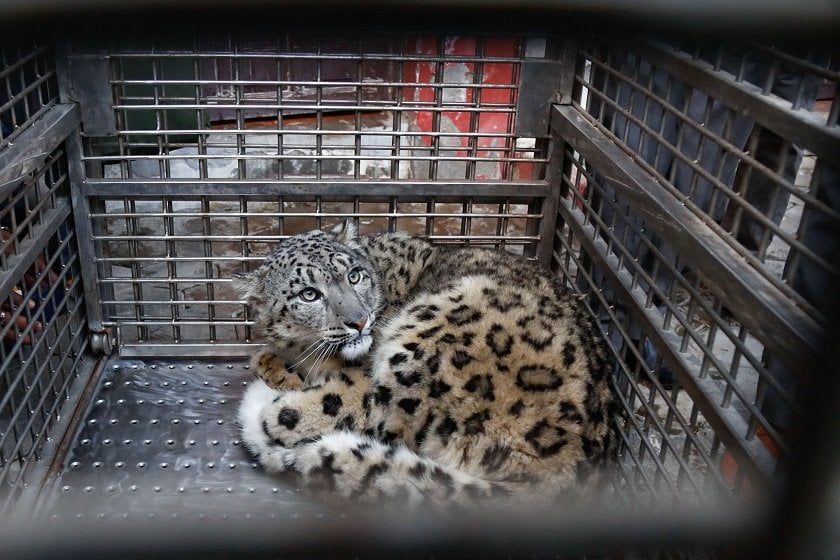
[316, 289]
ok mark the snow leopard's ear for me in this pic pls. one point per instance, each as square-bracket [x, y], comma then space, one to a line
[250, 286]
[345, 232]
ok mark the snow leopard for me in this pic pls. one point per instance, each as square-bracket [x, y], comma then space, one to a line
[395, 369]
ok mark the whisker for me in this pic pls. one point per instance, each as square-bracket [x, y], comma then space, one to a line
[322, 349]
[325, 351]
[311, 350]
[317, 350]
[308, 349]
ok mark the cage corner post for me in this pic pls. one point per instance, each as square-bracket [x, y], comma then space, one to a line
[548, 81]
[102, 338]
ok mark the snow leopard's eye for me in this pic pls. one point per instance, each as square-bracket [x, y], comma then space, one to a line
[309, 294]
[354, 276]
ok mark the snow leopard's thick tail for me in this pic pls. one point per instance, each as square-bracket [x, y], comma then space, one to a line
[350, 466]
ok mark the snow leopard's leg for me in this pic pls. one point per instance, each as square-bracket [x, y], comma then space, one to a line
[360, 469]
[274, 421]
[311, 432]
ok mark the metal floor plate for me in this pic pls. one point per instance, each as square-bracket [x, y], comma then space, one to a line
[161, 438]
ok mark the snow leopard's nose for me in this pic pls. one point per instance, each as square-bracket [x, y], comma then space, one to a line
[358, 325]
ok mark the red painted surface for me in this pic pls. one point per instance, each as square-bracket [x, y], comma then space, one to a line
[457, 71]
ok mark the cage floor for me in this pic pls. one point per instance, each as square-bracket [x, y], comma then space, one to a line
[160, 438]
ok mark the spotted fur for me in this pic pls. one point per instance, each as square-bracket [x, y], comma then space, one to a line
[486, 379]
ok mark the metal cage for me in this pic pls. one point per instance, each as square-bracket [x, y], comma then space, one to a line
[686, 189]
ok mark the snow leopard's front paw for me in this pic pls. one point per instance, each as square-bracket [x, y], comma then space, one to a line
[269, 367]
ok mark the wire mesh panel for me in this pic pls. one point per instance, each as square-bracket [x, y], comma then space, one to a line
[221, 147]
[380, 107]
[43, 330]
[27, 86]
[699, 213]
[170, 259]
